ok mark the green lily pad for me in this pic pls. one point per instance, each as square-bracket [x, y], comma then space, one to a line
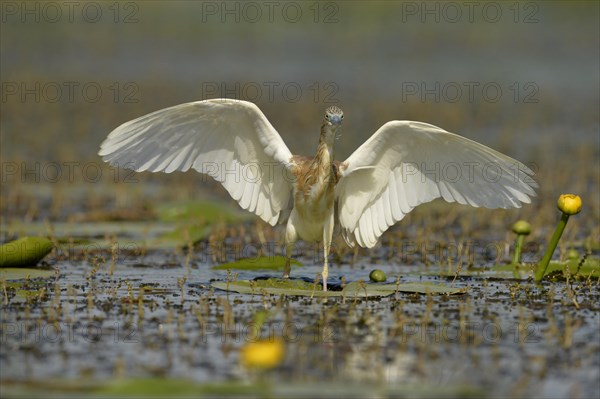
[352, 290]
[95, 235]
[21, 273]
[171, 387]
[591, 266]
[128, 235]
[588, 243]
[26, 251]
[185, 388]
[523, 271]
[23, 282]
[260, 263]
[178, 223]
[185, 234]
[208, 212]
[26, 291]
[131, 387]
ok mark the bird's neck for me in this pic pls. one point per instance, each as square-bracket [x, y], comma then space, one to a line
[325, 149]
[319, 178]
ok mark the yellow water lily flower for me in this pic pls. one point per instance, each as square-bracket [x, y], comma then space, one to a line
[569, 204]
[264, 354]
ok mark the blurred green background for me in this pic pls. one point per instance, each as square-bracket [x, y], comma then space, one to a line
[522, 77]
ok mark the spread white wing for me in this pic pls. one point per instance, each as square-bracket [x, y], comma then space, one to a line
[407, 163]
[230, 140]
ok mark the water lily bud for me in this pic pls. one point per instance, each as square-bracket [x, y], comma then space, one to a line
[572, 254]
[377, 276]
[521, 227]
[569, 204]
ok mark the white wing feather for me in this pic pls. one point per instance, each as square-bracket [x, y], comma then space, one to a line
[407, 163]
[230, 140]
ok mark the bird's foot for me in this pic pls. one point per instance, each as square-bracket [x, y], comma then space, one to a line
[287, 268]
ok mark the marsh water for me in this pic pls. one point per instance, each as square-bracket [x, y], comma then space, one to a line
[110, 312]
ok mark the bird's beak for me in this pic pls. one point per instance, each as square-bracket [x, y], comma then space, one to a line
[335, 120]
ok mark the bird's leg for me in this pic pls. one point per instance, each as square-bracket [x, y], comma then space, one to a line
[327, 235]
[290, 239]
[288, 258]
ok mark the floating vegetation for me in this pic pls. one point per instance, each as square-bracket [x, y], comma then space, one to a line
[201, 211]
[258, 263]
[589, 266]
[183, 235]
[184, 388]
[176, 225]
[351, 290]
[21, 273]
[24, 252]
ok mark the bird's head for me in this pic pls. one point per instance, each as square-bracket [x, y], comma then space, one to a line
[331, 122]
[333, 116]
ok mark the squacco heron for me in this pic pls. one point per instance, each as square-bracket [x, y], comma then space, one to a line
[402, 165]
